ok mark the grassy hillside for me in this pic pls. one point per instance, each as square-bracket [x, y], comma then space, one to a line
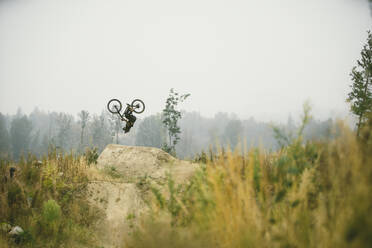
[47, 200]
[308, 194]
[316, 194]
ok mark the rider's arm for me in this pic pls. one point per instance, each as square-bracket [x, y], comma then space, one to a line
[128, 109]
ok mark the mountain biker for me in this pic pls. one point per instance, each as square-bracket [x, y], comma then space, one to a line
[131, 119]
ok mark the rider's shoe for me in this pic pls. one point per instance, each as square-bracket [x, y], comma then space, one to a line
[127, 128]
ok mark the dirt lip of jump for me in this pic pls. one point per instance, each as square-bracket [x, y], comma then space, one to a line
[134, 162]
[119, 199]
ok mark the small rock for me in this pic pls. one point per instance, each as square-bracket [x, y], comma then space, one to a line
[38, 163]
[17, 230]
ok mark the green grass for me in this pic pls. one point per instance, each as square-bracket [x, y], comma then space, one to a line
[112, 172]
[48, 200]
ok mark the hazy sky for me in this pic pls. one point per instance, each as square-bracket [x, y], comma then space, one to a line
[255, 58]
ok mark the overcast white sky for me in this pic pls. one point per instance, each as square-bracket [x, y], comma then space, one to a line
[255, 58]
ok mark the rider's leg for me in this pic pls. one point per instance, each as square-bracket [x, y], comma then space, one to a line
[132, 120]
[126, 128]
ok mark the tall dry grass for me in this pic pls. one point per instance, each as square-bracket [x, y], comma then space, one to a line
[47, 199]
[317, 194]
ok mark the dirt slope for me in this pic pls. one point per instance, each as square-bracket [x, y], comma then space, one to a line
[119, 203]
[122, 199]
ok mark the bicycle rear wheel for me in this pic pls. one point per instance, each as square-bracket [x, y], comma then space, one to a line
[114, 106]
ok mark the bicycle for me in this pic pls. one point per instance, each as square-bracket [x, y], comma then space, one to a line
[137, 106]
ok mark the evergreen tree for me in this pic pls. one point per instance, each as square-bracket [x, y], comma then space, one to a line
[233, 132]
[360, 96]
[84, 118]
[100, 132]
[64, 122]
[35, 144]
[151, 132]
[4, 137]
[20, 134]
[45, 144]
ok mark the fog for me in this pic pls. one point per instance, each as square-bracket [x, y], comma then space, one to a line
[252, 58]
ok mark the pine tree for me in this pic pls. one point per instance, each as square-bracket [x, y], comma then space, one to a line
[20, 135]
[151, 132]
[4, 137]
[64, 122]
[84, 118]
[233, 132]
[100, 130]
[360, 96]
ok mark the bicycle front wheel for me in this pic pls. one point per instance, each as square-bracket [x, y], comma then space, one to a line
[138, 106]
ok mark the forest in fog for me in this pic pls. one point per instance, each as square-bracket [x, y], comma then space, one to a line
[36, 132]
[226, 160]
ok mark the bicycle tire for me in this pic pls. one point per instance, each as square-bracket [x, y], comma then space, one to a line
[141, 108]
[112, 109]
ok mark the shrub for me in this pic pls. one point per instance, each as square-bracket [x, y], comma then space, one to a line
[14, 194]
[112, 172]
[39, 199]
[91, 155]
[50, 218]
[51, 212]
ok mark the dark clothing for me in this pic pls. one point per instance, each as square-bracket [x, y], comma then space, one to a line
[12, 170]
[127, 128]
[131, 119]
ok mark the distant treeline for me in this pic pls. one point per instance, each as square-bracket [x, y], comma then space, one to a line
[38, 131]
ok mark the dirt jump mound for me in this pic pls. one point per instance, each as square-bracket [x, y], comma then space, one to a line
[134, 162]
[123, 197]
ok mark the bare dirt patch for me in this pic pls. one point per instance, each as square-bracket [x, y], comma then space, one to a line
[121, 183]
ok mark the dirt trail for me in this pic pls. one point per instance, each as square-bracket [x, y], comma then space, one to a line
[121, 197]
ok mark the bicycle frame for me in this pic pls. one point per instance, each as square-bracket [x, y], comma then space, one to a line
[121, 116]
